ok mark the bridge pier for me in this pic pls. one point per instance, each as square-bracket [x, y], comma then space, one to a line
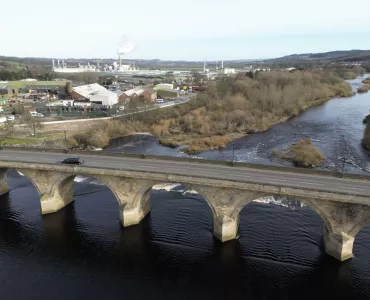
[132, 195]
[226, 204]
[3, 182]
[342, 223]
[55, 188]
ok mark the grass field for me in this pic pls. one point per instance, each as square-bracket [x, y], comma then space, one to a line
[31, 140]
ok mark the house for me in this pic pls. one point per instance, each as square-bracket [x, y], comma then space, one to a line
[149, 95]
[3, 90]
[143, 93]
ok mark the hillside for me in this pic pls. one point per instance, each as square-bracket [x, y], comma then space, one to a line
[333, 56]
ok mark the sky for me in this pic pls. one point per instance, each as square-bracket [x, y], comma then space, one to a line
[189, 30]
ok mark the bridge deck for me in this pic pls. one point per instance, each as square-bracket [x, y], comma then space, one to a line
[223, 172]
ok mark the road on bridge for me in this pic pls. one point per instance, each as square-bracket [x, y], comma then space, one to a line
[223, 172]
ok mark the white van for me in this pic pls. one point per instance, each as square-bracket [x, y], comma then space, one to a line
[33, 113]
[159, 101]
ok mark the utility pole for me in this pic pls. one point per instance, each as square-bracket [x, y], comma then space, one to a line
[65, 138]
[144, 149]
[343, 154]
[233, 151]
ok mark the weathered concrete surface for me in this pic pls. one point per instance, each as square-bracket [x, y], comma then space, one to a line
[54, 188]
[342, 223]
[3, 183]
[340, 246]
[226, 205]
[132, 196]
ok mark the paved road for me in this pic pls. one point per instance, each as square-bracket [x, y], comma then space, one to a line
[241, 174]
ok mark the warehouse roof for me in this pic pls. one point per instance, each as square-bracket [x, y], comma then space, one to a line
[138, 91]
[89, 90]
[22, 84]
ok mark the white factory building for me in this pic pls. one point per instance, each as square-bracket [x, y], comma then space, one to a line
[95, 94]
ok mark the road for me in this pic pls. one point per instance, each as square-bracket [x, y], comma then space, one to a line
[223, 172]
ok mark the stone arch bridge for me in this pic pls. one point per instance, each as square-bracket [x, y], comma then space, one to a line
[342, 203]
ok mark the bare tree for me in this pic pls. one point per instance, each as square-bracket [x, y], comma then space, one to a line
[197, 78]
[19, 109]
[32, 123]
[9, 129]
[169, 77]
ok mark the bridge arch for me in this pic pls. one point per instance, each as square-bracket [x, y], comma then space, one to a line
[311, 203]
[54, 188]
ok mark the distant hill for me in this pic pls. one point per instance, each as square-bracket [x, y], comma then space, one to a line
[333, 56]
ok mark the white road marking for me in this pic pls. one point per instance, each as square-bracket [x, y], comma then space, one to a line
[311, 183]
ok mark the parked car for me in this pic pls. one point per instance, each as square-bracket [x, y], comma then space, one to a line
[73, 161]
[11, 118]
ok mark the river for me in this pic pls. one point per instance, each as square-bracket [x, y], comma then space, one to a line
[82, 252]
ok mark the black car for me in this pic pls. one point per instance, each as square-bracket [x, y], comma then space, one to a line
[73, 161]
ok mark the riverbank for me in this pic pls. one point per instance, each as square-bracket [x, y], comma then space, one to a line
[231, 108]
[194, 144]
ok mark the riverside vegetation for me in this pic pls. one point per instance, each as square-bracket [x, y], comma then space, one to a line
[366, 137]
[302, 154]
[230, 108]
[366, 87]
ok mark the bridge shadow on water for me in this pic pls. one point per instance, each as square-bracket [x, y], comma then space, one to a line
[82, 251]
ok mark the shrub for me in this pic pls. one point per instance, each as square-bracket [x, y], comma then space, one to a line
[363, 89]
[366, 138]
[302, 154]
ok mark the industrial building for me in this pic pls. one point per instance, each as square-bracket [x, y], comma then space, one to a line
[147, 94]
[95, 94]
[167, 93]
[14, 88]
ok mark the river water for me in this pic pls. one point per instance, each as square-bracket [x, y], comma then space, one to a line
[82, 252]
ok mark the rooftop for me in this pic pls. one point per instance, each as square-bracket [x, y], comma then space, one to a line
[22, 84]
[90, 90]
